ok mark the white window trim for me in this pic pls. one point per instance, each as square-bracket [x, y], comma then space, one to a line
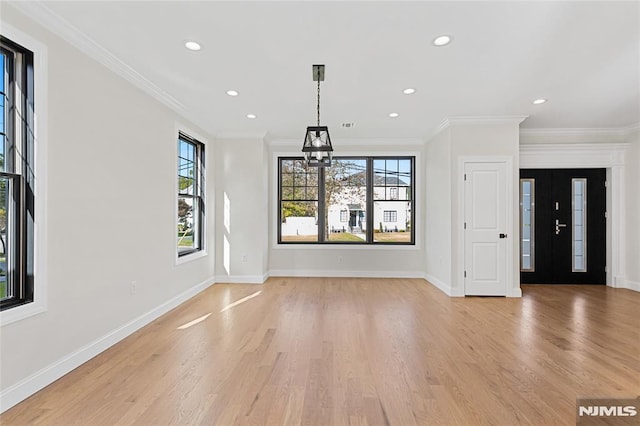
[203, 252]
[40, 56]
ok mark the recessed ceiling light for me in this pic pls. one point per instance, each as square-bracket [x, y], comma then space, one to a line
[251, 116]
[442, 40]
[232, 93]
[192, 45]
[393, 114]
[409, 91]
[539, 101]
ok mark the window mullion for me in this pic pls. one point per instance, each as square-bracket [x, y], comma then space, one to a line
[321, 206]
[369, 201]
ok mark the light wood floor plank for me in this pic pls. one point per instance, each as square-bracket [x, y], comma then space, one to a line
[338, 351]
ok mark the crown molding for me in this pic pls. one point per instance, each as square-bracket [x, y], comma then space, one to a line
[53, 22]
[482, 119]
[478, 120]
[632, 129]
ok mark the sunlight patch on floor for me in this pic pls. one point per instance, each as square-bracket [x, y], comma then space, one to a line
[194, 322]
[244, 299]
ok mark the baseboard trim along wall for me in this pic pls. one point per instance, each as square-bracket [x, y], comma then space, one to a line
[345, 274]
[32, 384]
[632, 285]
[241, 279]
[445, 288]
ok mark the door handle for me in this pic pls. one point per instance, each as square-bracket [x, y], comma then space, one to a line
[503, 235]
[559, 225]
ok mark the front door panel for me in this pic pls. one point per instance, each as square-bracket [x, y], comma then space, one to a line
[567, 219]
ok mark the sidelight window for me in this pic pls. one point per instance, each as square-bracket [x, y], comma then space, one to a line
[579, 227]
[527, 223]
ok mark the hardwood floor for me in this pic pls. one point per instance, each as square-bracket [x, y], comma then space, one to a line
[334, 351]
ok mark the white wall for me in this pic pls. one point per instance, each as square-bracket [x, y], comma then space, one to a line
[476, 138]
[111, 207]
[334, 260]
[632, 214]
[438, 210]
[460, 138]
[242, 210]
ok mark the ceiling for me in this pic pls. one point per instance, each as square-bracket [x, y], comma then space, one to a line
[584, 57]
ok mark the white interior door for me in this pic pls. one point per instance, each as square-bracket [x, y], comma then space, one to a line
[485, 233]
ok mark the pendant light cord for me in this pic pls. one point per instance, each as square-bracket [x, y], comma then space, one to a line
[318, 101]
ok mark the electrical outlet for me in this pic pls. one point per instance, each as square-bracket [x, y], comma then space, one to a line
[133, 287]
[339, 260]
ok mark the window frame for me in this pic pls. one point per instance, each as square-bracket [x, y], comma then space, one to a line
[37, 111]
[370, 201]
[198, 196]
[18, 163]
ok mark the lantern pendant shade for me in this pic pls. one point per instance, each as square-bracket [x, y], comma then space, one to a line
[317, 148]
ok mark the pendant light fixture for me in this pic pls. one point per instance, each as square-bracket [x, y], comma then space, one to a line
[316, 147]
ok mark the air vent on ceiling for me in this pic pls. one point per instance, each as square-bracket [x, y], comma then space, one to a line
[348, 125]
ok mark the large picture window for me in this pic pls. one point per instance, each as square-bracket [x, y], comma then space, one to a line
[191, 205]
[358, 200]
[17, 201]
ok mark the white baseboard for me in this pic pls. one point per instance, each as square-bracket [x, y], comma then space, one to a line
[32, 384]
[241, 279]
[632, 285]
[346, 274]
[440, 285]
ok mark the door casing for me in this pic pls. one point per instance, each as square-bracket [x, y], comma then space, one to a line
[610, 156]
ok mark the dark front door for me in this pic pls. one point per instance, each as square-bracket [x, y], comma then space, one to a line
[562, 226]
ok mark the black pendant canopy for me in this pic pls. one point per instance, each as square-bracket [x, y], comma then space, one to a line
[317, 147]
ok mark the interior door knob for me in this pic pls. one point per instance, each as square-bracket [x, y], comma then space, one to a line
[503, 235]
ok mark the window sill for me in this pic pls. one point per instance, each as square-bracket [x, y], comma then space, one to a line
[409, 247]
[21, 312]
[190, 257]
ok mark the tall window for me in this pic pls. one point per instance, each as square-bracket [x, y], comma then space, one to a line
[16, 175]
[358, 200]
[298, 201]
[392, 193]
[191, 205]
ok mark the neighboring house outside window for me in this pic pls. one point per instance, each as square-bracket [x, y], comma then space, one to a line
[17, 179]
[191, 203]
[352, 197]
